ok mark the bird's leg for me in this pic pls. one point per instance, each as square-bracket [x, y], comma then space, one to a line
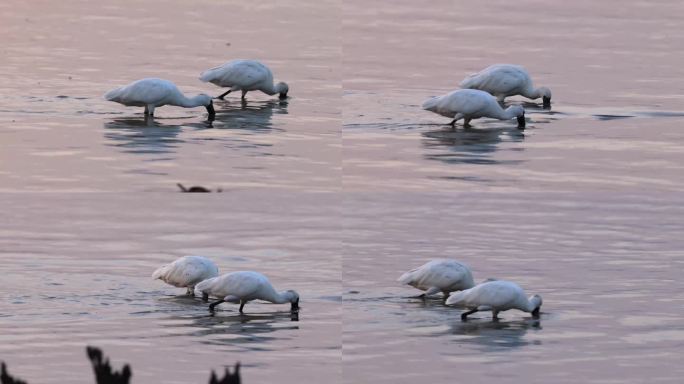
[446, 295]
[214, 304]
[190, 291]
[242, 305]
[464, 315]
[221, 96]
[466, 123]
[147, 112]
[150, 109]
[495, 315]
[243, 94]
[205, 297]
[457, 117]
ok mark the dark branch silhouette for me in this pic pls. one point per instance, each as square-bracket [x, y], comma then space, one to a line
[103, 371]
[105, 375]
[5, 377]
[229, 378]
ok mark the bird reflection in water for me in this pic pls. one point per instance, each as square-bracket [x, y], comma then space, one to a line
[234, 328]
[147, 135]
[248, 115]
[495, 335]
[470, 146]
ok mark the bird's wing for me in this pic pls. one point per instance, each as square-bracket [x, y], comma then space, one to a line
[468, 102]
[153, 91]
[497, 79]
[441, 275]
[245, 284]
[494, 295]
[242, 74]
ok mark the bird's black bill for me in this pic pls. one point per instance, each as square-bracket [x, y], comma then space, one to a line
[546, 103]
[521, 121]
[211, 111]
[535, 313]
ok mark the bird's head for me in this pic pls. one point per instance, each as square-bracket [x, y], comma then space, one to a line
[208, 103]
[294, 300]
[282, 89]
[546, 96]
[519, 112]
[536, 301]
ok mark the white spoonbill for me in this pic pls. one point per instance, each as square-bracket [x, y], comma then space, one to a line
[186, 272]
[152, 93]
[468, 104]
[502, 80]
[495, 296]
[244, 75]
[243, 286]
[439, 275]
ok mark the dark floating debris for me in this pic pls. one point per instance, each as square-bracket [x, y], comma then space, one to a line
[105, 375]
[196, 188]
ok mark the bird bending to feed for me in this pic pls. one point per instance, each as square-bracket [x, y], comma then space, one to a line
[502, 80]
[245, 76]
[495, 296]
[440, 275]
[186, 272]
[468, 104]
[152, 93]
[243, 286]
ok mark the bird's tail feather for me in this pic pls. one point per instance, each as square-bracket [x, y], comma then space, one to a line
[157, 274]
[430, 104]
[406, 278]
[113, 95]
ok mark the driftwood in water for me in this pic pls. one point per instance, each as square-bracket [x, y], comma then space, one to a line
[196, 188]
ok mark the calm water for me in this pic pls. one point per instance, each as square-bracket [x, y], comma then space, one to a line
[584, 207]
[76, 266]
[77, 271]
[341, 188]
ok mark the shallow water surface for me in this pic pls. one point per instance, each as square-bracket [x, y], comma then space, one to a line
[341, 188]
[583, 207]
[59, 134]
[78, 271]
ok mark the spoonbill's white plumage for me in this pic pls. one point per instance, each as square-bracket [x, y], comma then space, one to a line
[495, 296]
[245, 76]
[243, 286]
[152, 93]
[186, 272]
[468, 104]
[502, 80]
[440, 275]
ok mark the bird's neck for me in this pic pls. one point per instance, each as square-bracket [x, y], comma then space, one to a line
[281, 297]
[532, 93]
[188, 102]
[504, 114]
